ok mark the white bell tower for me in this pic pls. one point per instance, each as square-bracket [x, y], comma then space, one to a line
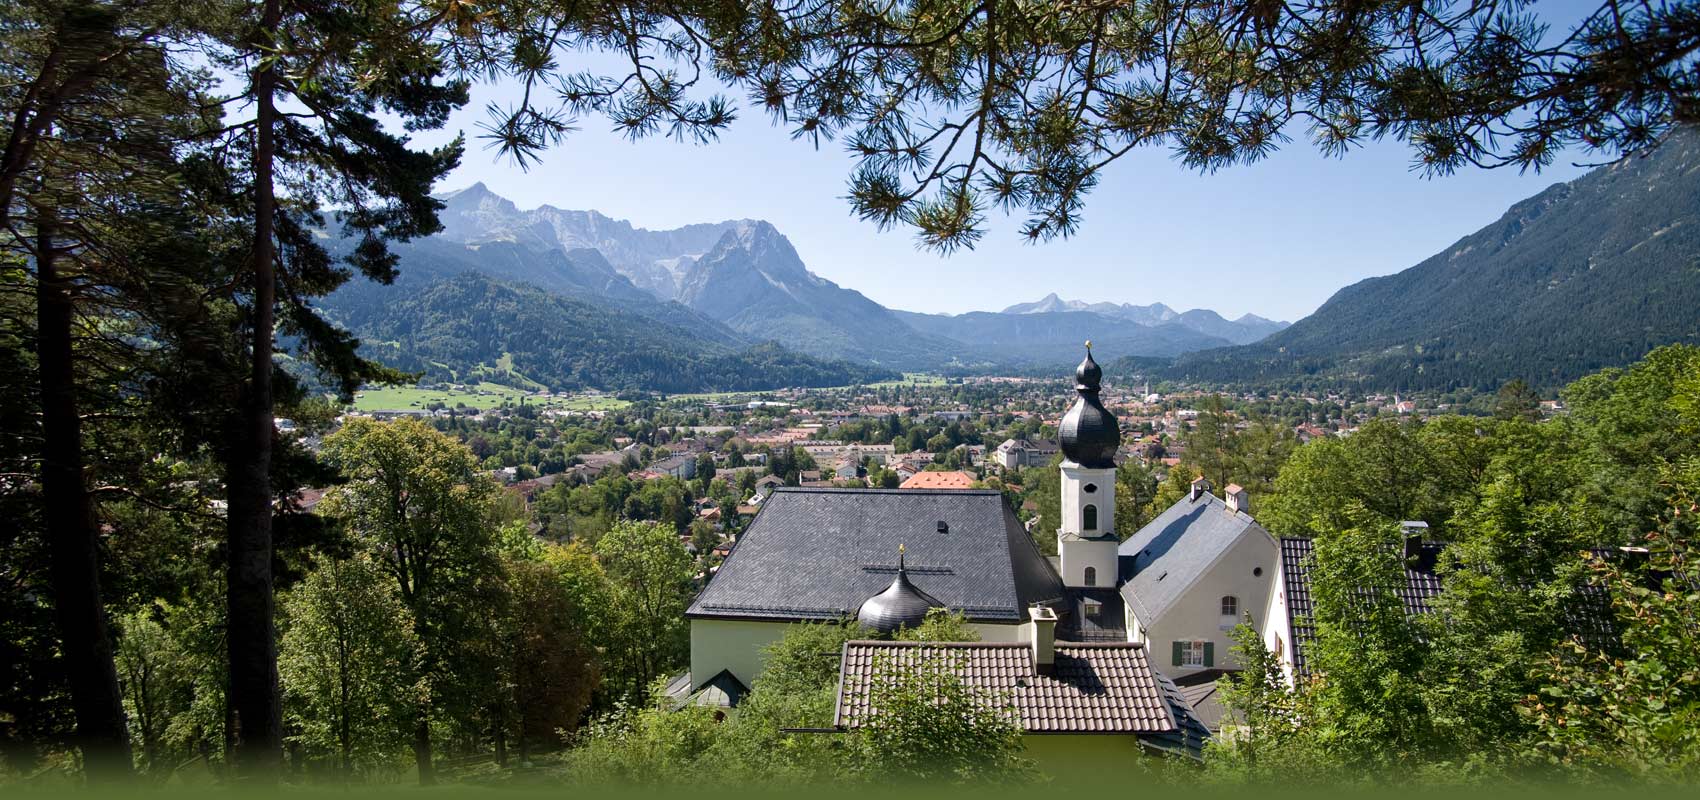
[1089, 437]
[1086, 541]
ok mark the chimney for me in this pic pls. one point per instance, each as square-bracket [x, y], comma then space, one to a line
[1200, 488]
[1414, 531]
[1041, 632]
[1237, 498]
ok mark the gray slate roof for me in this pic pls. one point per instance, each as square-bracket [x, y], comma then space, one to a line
[1161, 561]
[1095, 688]
[816, 554]
[1111, 625]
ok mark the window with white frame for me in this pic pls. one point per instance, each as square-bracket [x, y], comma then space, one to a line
[1192, 654]
[1231, 606]
[1094, 609]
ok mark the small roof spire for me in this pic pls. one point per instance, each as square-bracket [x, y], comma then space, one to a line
[901, 605]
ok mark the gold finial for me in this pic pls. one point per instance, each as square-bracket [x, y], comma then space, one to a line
[900, 549]
[1088, 344]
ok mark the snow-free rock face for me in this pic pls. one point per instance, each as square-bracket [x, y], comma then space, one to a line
[653, 260]
[754, 281]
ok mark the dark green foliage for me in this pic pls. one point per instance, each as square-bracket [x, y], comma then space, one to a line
[1516, 400]
[1548, 645]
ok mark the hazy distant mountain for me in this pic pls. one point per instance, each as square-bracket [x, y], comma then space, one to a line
[1587, 274]
[1041, 337]
[1248, 328]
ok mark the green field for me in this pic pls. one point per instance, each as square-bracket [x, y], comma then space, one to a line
[481, 396]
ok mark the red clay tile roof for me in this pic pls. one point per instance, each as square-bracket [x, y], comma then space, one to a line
[939, 480]
[1096, 688]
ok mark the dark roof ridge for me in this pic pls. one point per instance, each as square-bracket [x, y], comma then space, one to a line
[849, 490]
[964, 645]
[1012, 645]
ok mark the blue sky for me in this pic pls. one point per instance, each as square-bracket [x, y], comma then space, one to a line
[1274, 238]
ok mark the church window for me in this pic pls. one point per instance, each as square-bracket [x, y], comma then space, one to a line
[1089, 518]
[1091, 576]
[1091, 488]
[1231, 606]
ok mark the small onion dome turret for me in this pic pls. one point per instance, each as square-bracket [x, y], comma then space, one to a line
[901, 605]
[1089, 434]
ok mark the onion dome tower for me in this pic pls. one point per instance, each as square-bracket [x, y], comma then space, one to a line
[1089, 434]
[1089, 438]
[901, 605]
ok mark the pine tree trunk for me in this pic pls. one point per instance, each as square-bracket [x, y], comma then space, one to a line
[72, 533]
[422, 749]
[251, 631]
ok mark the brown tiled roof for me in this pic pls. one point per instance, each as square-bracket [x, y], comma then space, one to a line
[1096, 688]
[939, 480]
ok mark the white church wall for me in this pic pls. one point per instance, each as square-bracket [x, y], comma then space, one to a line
[737, 645]
[995, 632]
[1076, 555]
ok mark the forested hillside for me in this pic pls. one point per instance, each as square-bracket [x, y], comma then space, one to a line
[1584, 275]
[450, 328]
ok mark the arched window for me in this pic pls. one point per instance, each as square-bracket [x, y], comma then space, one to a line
[1230, 606]
[1089, 518]
[1091, 576]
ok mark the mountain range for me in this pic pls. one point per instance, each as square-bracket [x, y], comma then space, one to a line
[1587, 274]
[742, 281]
[1246, 329]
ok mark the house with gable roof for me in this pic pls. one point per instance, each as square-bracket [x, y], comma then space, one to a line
[1056, 632]
[1194, 572]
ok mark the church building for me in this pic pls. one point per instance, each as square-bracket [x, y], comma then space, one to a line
[1157, 604]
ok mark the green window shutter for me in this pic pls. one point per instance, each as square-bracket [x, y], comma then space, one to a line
[1177, 654]
[1209, 654]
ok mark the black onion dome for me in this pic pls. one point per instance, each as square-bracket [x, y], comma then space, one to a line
[1089, 435]
[901, 605]
[1088, 375]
